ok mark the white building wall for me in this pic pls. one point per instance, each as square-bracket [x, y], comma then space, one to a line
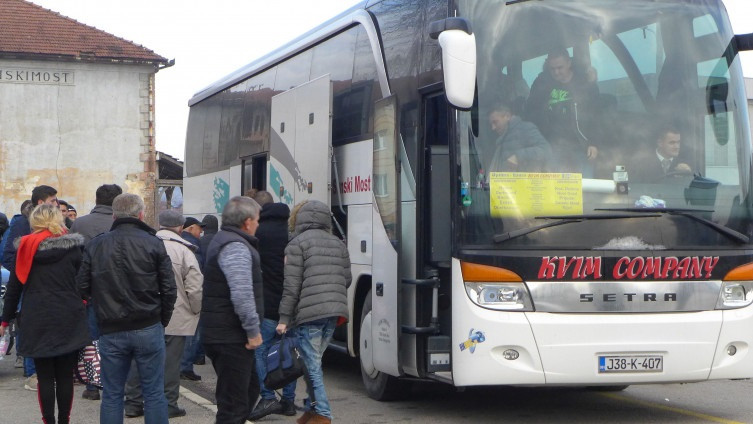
[74, 126]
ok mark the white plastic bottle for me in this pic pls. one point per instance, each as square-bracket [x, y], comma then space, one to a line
[4, 344]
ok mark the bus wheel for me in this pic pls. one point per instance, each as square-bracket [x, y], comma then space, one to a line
[608, 388]
[379, 386]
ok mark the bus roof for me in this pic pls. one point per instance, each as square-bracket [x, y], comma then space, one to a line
[313, 36]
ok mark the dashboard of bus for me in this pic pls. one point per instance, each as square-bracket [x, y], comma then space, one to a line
[604, 124]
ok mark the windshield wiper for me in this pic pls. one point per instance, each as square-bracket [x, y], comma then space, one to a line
[689, 213]
[563, 220]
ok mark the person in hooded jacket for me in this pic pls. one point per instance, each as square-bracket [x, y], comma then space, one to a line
[314, 297]
[53, 315]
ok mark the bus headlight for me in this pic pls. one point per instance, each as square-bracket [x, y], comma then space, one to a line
[735, 294]
[737, 288]
[495, 288]
[500, 296]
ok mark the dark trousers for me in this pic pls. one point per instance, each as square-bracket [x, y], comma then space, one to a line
[55, 376]
[237, 382]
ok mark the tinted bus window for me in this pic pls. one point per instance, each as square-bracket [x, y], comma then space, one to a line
[293, 72]
[212, 132]
[230, 126]
[195, 138]
[256, 118]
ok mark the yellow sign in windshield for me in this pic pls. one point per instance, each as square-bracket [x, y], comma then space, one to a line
[526, 194]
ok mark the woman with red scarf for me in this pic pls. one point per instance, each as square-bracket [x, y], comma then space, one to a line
[52, 313]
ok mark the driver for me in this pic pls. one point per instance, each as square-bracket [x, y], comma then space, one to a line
[664, 160]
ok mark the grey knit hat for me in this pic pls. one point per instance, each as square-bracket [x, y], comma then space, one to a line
[171, 218]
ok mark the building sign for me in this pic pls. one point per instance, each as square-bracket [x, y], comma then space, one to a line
[36, 76]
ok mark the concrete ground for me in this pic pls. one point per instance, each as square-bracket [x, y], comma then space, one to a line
[20, 406]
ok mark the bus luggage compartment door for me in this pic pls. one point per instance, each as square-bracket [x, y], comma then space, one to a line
[301, 143]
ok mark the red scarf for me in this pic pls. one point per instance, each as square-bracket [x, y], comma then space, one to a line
[26, 251]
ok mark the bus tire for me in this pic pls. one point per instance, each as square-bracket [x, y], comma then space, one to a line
[379, 386]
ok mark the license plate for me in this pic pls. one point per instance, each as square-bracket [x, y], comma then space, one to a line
[631, 363]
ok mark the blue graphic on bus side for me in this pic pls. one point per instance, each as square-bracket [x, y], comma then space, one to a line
[474, 337]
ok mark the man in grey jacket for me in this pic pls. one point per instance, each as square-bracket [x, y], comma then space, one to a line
[520, 146]
[97, 222]
[314, 297]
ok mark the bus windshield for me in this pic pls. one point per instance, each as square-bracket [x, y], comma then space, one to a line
[604, 124]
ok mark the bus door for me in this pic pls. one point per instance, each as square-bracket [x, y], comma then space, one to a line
[300, 151]
[385, 293]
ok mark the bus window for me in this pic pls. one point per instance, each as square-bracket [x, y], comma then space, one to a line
[255, 126]
[230, 126]
[293, 72]
[195, 138]
[212, 132]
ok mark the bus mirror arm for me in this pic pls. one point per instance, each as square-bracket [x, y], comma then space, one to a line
[744, 42]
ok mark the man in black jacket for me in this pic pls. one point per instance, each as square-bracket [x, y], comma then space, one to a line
[273, 237]
[98, 221]
[129, 276]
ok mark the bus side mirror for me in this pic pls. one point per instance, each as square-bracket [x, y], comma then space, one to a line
[458, 59]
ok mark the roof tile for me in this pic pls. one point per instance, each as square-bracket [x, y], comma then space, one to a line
[27, 29]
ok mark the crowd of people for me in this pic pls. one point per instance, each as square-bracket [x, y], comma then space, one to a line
[556, 129]
[159, 301]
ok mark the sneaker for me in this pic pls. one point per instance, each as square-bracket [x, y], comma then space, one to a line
[176, 412]
[19, 362]
[288, 408]
[264, 408]
[190, 375]
[31, 383]
[91, 394]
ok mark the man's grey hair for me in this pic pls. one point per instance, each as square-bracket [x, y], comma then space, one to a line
[238, 210]
[127, 205]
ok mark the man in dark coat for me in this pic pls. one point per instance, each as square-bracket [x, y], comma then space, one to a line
[129, 275]
[193, 354]
[654, 165]
[273, 237]
[231, 308]
[97, 222]
[563, 104]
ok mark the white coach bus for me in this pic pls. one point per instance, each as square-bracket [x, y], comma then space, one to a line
[533, 269]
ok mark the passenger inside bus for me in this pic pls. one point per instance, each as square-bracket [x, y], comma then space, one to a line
[563, 103]
[519, 145]
[662, 159]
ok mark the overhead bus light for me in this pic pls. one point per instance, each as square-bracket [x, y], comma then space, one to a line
[737, 288]
[496, 288]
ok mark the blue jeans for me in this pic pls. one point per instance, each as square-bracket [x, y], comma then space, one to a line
[268, 333]
[147, 347]
[314, 338]
[91, 318]
[192, 351]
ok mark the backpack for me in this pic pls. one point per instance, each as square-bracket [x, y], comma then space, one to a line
[284, 363]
